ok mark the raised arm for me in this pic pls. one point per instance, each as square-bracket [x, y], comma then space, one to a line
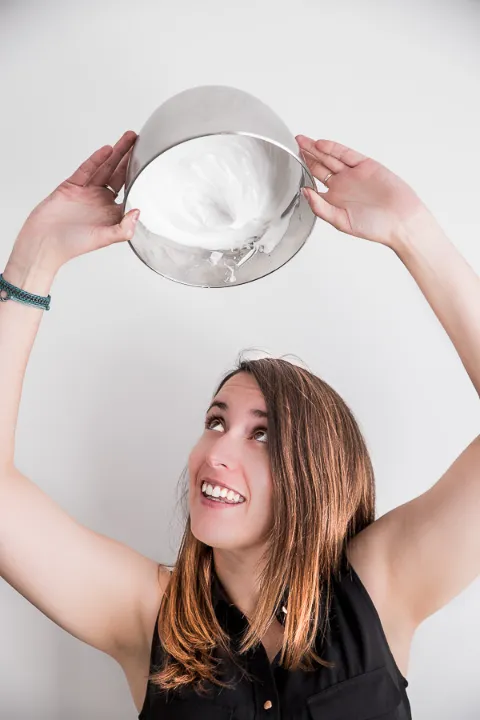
[97, 589]
[430, 546]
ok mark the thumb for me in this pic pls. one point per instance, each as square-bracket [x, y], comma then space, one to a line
[326, 211]
[121, 232]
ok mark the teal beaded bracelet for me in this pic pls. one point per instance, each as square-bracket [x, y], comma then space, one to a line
[10, 292]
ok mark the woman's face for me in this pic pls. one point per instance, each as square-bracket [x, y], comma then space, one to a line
[233, 452]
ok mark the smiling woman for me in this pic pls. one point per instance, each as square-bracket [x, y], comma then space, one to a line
[294, 601]
[285, 441]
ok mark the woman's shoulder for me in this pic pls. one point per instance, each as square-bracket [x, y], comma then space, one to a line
[152, 603]
[164, 575]
[365, 556]
[136, 664]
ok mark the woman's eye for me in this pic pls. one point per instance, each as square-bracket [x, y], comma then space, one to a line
[262, 432]
[213, 422]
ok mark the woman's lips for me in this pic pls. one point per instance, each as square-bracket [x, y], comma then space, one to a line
[215, 505]
[211, 482]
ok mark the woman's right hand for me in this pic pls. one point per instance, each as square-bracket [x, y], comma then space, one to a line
[80, 215]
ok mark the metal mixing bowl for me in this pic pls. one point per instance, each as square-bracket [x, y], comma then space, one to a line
[216, 110]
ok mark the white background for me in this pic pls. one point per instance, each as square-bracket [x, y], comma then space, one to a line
[125, 361]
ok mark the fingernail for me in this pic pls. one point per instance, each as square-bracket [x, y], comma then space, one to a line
[305, 193]
[135, 215]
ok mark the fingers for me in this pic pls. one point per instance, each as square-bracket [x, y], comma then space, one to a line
[317, 168]
[117, 181]
[321, 162]
[107, 168]
[324, 150]
[324, 210]
[87, 169]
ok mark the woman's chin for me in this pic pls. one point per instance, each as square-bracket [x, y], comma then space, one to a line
[216, 536]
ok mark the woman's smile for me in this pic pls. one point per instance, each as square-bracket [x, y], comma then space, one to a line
[216, 503]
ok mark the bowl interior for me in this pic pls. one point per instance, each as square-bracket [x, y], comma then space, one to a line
[220, 210]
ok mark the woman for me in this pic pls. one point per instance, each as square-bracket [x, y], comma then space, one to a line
[288, 598]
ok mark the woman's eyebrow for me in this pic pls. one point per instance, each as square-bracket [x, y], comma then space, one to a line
[224, 406]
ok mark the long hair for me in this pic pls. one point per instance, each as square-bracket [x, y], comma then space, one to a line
[323, 495]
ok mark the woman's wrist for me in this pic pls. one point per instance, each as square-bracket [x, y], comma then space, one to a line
[31, 277]
[413, 235]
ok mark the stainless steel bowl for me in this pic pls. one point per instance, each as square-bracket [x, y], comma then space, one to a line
[216, 110]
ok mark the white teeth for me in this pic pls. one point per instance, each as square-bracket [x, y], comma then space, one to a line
[218, 492]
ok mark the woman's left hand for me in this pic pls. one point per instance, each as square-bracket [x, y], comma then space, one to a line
[364, 198]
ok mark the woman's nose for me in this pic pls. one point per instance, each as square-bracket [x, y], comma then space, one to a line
[224, 451]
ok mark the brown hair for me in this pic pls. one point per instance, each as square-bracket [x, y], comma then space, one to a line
[323, 495]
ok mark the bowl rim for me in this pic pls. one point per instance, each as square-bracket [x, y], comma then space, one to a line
[212, 134]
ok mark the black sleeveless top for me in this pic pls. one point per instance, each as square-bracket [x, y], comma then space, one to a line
[364, 684]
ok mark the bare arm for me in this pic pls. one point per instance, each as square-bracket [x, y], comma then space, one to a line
[430, 546]
[434, 540]
[97, 589]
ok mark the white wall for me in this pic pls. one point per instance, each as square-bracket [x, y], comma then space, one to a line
[125, 361]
